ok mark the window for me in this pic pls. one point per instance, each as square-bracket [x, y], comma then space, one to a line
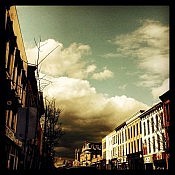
[144, 127]
[135, 146]
[125, 135]
[131, 131]
[9, 118]
[134, 130]
[149, 145]
[158, 142]
[140, 127]
[14, 76]
[131, 147]
[121, 137]
[161, 117]
[154, 146]
[137, 128]
[148, 127]
[113, 140]
[123, 150]
[126, 148]
[104, 155]
[104, 145]
[12, 162]
[128, 133]
[164, 141]
[167, 112]
[113, 151]
[138, 145]
[9, 61]
[145, 147]
[152, 125]
[157, 122]
[13, 122]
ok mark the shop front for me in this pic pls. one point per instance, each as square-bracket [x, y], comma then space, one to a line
[125, 164]
[135, 161]
[103, 164]
[114, 164]
[159, 161]
[148, 162]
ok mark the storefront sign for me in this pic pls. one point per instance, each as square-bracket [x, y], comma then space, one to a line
[148, 159]
[10, 135]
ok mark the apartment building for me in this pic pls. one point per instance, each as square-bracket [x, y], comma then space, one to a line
[141, 142]
[134, 141]
[104, 148]
[19, 121]
[165, 98]
[14, 64]
[153, 137]
[90, 152]
[103, 161]
[107, 149]
[122, 148]
[119, 160]
[28, 126]
[76, 161]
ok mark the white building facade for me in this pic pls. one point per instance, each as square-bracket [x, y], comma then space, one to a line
[153, 137]
[138, 143]
[107, 148]
[134, 142]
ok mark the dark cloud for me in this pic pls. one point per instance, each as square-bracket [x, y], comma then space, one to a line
[79, 128]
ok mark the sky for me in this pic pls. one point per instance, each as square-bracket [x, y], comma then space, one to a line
[101, 64]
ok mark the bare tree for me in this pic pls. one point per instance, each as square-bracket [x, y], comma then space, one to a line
[52, 133]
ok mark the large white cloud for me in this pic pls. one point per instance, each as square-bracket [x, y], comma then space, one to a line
[62, 61]
[86, 114]
[148, 45]
[78, 99]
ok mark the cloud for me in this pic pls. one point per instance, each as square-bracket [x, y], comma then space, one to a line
[148, 46]
[149, 80]
[87, 115]
[62, 61]
[156, 92]
[103, 75]
[91, 68]
[122, 87]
